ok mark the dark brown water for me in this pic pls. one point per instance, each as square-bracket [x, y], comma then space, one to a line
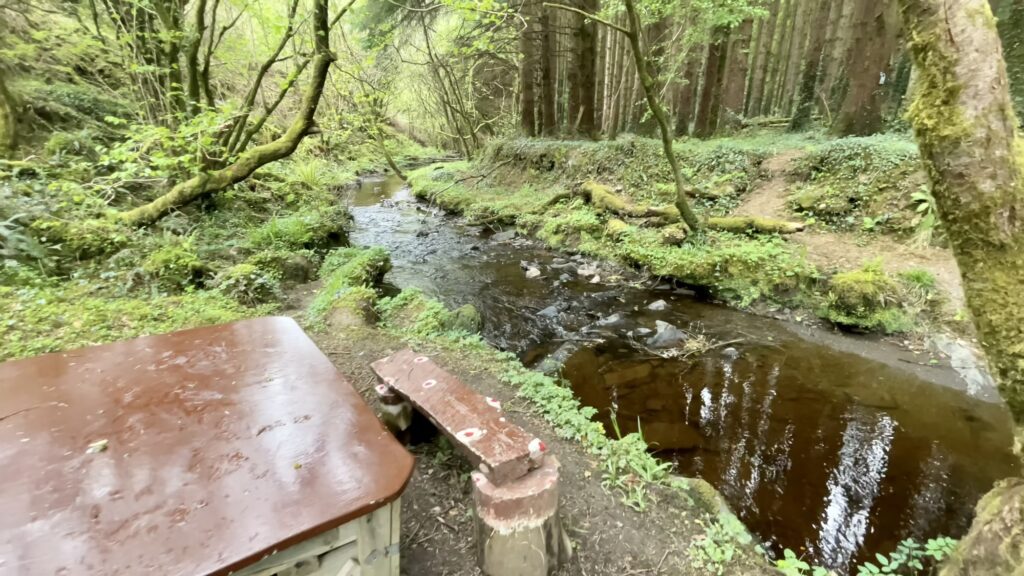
[832, 445]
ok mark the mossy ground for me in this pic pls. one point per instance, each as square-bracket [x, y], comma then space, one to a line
[72, 276]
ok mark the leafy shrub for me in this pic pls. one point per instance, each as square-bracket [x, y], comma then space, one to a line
[869, 299]
[249, 285]
[346, 269]
[175, 266]
[84, 239]
[308, 229]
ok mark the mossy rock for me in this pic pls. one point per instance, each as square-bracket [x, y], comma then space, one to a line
[674, 234]
[291, 267]
[464, 319]
[176, 266]
[615, 228]
[249, 285]
[995, 543]
[345, 269]
[309, 229]
[85, 239]
[866, 299]
[353, 307]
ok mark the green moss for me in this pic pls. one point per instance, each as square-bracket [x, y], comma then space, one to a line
[869, 299]
[935, 111]
[343, 270]
[49, 317]
[84, 239]
[305, 229]
[290, 266]
[175, 265]
[249, 284]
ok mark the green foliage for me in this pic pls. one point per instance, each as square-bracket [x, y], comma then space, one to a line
[175, 265]
[909, 559]
[345, 269]
[927, 228]
[83, 239]
[48, 317]
[16, 243]
[869, 299]
[860, 183]
[249, 284]
[307, 229]
[721, 542]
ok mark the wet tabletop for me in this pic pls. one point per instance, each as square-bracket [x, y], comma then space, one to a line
[210, 448]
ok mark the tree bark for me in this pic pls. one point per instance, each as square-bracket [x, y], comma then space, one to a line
[779, 58]
[762, 60]
[8, 130]
[797, 55]
[528, 72]
[1011, 29]
[585, 72]
[192, 68]
[870, 72]
[966, 129]
[710, 94]
[809, 80]
[548, 79]
[251, 160]
[685, 93]
[736, 75]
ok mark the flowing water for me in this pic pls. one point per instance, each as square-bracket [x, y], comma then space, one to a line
[829, 445]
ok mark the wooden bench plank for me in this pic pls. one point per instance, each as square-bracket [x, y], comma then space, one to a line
[502, 450]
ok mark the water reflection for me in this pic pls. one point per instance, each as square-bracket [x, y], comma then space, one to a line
[818, 451]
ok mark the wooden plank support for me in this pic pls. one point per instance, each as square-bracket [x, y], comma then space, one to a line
[474, 423]
[515, 490]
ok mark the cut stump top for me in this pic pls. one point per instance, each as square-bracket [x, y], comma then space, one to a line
[190, 453]
[474, 423]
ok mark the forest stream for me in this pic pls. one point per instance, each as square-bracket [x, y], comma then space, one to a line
[821, 443]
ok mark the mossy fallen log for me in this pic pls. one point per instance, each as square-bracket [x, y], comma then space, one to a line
[603, 199]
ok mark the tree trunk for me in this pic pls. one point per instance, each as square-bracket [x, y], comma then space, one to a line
[762, 60]
[684, 95]
[587, 72]
[797, 54]
[549, 117]
[967, 132]
[710, 95]
[778, 58]
[600, 78]
[251, 160]
[1011, 28]
[863, 107]
[809, 80]
[192, 69]
[527, 72]
[8, 131]
[965, 127]
[736, 75]
[650, 91]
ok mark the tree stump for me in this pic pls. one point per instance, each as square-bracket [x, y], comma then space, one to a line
[518, 531]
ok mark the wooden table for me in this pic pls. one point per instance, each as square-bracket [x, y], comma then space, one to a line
[235, 448]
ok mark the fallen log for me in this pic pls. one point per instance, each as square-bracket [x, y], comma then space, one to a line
[604, 200]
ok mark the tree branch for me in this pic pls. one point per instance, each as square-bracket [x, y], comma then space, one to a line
[585, 14]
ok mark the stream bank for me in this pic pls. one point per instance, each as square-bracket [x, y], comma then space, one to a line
[818, 441]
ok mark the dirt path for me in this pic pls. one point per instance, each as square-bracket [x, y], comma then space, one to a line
[836, 251]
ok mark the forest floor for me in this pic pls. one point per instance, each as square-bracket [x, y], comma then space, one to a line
[608, 538]
[833, 250]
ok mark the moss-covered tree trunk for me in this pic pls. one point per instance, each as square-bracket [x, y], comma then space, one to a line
[967, 131]
[527, 71]
[1011, 29]
[251, 160]
[8, 132]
